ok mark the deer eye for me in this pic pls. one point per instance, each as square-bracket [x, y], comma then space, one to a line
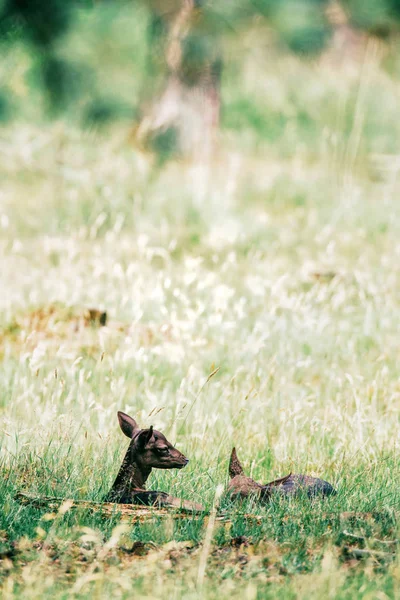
[163, 451]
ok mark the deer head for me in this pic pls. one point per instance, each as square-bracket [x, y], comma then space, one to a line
[149, 448]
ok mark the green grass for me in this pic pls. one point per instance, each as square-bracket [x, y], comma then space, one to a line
[225, 265]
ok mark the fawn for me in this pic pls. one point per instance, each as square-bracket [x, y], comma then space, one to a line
[241, 486]
[148, 449]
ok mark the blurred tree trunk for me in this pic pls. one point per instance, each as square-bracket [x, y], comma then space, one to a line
[181, 113]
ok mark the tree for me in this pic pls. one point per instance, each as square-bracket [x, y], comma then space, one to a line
[188, 35]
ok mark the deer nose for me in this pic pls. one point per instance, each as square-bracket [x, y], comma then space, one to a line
[186, 461]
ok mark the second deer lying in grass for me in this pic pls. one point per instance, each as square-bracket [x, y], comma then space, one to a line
[148, 449]
[241, 486]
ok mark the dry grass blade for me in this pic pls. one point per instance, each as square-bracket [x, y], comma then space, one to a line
[210, 376]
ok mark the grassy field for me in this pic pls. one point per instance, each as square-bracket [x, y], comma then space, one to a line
[278, 262]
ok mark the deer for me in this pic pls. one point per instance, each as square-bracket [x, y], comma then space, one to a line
[241, 486]
[148, 449]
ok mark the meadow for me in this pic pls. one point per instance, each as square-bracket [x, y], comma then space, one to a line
[277, 263]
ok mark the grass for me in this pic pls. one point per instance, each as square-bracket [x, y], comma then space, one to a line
[277, 263]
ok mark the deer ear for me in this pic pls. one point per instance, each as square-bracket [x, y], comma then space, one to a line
[127, 424]
[144, 437]
[278, 482]
[235, 468]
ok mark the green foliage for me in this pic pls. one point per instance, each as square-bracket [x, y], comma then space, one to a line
[41, 22]
[372, 15]
[302, 25]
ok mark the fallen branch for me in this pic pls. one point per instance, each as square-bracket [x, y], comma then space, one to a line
[360, 553]
[135, 513]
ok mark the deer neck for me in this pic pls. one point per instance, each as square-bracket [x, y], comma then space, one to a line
[131, 476]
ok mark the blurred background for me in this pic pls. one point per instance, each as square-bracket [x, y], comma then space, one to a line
[175, 74]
